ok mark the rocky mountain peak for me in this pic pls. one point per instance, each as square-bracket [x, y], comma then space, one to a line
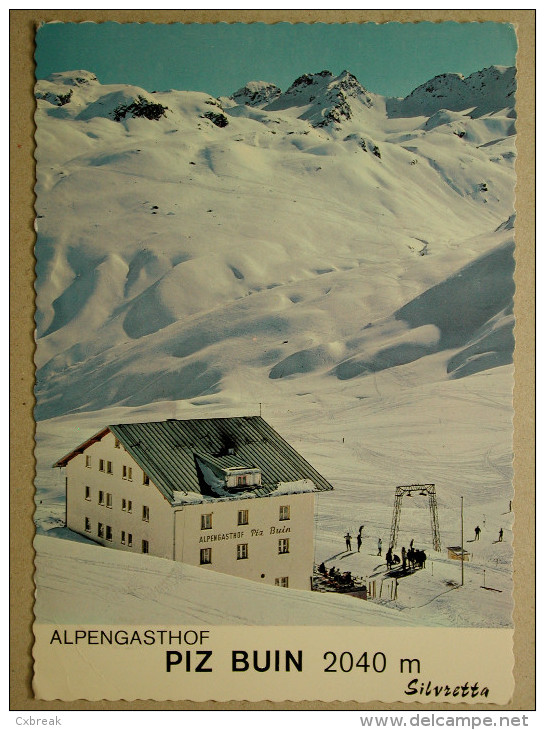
[484, 91]
[326, 99]
[256, 93]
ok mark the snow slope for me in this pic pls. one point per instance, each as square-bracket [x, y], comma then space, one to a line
[101, 586]
[168, 247]
[343, 259]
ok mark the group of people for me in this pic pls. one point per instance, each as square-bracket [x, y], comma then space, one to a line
[359, 540]
[335, 575]
[411, 558]
[478, 532]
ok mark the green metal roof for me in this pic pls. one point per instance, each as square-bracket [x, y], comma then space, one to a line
[167, 452]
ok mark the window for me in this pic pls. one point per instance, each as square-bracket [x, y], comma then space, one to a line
[101, 497]
[108, 500]
[206, 556]
[241, 480]
[101, 464]
[242, 517]
[145, 513]
[88, 493]
[283, 545]
[206, 522]
[124, 505]
[129, 505]
[282, 582]
[109, 467]
[123, 537]
[145, 546]
[109, 533]
[116, 444]
[242, 551]
[87, 525]
[127, 473]
[87, 461]
[129, 539]
[100, 531]
[145, 478]
[284, 512]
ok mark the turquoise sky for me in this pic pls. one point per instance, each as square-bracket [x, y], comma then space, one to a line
[390, 59]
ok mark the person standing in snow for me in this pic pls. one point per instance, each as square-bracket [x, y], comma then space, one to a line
[477, 532]
[379, 546]
[389, 558]
[501, 535]
[358, 541]
[404, 557]
[348, 538]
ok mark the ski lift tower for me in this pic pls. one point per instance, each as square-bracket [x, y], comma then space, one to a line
[426, 490]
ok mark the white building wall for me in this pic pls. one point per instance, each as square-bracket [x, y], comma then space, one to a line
[264, 563]
[158, 531]
[177, 533]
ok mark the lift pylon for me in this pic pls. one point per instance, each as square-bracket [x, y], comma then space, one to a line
[426, 490]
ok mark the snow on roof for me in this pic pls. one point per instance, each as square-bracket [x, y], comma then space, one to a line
[169, 452]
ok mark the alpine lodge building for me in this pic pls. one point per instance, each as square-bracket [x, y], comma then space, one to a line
[227, 494]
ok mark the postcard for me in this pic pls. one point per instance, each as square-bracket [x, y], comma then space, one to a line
[274, 361]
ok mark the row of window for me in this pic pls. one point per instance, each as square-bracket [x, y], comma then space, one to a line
[242, 551]
[106, 466]
[105, 532]
[106, 499]
[243, 517]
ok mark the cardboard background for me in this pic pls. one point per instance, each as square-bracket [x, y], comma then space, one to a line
[22, 28]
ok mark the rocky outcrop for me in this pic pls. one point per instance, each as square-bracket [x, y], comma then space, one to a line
[140, 107]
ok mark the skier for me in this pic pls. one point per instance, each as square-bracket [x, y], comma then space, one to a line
[358, 541]
[379, 546]
[477, 532]
[501, 535]
[348, 538]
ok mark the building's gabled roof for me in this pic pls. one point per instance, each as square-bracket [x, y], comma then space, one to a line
[81, 448]
[168, 451]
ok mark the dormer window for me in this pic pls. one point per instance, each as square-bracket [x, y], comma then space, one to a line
[242, 480]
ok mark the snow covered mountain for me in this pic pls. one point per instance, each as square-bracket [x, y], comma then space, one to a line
[486, 91]
[268, 244]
